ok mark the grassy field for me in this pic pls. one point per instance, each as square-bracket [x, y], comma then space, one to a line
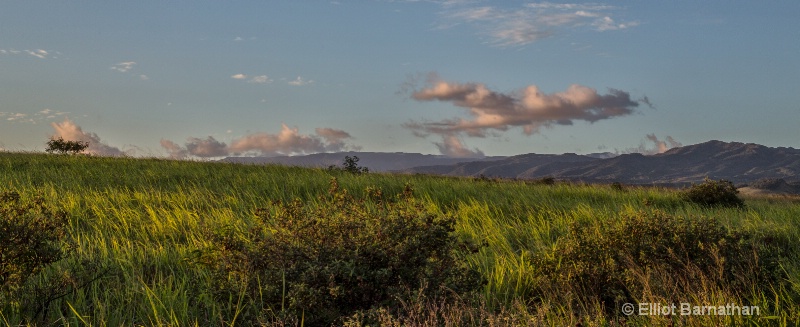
[141, 221]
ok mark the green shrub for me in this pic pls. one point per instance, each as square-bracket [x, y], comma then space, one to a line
[31, 239]
[321, 263]
[656, 254]
[713, 193]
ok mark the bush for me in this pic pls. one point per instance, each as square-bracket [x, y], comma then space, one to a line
[713, 193]
[322, 263]
[31, 239]
[61, 146]
[655, 254]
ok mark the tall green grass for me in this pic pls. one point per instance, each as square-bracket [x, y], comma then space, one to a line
[143, 220]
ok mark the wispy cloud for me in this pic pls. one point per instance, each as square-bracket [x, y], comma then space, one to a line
[299, 81]
[19, 117]
[70, 131]
[38, 53]
[16, 117]
[260, 79]
[288, 141]
[123, 67]
[241, 39]
[533, 21]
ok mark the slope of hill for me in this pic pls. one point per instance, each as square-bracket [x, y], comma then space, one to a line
[737, 162]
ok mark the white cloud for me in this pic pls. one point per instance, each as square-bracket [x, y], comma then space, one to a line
[123, 67]
[20, 117]
[144, 77]
[260, 79]
[38, 53]
[16, 117]
[299, 81]
[608, 24]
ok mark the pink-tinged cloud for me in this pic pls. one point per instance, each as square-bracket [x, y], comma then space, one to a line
[174, 149]
[70, 131]
[331, 135]
[528, 108]
[656, 145]
[452, 146]
[288, 141]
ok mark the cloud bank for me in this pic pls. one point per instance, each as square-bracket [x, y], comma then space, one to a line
[70, 131]
[531, 109]
[288, 141]
[528, 108]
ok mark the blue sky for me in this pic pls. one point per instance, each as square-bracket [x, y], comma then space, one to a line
[205, 79]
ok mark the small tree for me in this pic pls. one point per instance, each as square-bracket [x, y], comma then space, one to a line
[350, 165]
[61, 146]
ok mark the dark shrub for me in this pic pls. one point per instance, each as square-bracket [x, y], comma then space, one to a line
[323, 262]
[657, 254]
[713, 193]
[61, 146]
[546, 181]
[30, 239]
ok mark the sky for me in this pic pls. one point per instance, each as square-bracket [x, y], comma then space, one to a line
[466, 78]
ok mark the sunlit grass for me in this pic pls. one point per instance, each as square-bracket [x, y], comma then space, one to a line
[144, 219]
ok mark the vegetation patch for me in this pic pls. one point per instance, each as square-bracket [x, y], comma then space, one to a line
[654, 255]
[319, 263]
[711, 193]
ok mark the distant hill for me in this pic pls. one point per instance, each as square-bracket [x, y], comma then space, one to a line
[741, 163]
[771, 186]
[375, 161]
[737, 162]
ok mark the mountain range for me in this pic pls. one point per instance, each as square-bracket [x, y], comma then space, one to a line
[375, 161]
[741, 163]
